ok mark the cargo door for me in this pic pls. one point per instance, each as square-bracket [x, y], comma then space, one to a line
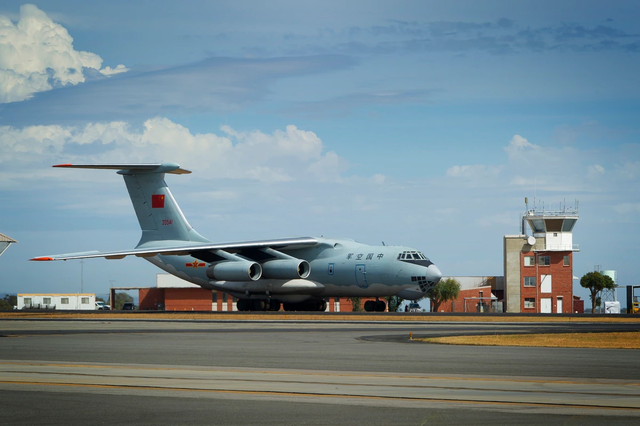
[361, 276]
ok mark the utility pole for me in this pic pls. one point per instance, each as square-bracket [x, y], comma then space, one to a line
[82, 276]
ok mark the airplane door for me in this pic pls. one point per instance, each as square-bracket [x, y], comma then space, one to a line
[361, 276]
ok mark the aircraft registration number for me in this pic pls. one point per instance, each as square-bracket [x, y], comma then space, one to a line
[167, 221]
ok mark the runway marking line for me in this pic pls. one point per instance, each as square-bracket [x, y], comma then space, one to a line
[302, 382]
[399, 376]
[319, 395]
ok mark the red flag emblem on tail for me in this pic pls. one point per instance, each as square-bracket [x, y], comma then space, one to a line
[157, 201]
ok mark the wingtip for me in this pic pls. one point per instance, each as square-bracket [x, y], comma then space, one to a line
[63, 165]
[41, 259]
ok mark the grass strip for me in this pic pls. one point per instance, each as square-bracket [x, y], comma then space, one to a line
[615, 340]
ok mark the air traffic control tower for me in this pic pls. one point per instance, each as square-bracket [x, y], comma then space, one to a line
[538, 268]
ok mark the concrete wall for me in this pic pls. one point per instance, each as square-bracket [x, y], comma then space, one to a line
[514, 246]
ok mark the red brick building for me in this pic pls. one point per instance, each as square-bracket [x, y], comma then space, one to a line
[538, 269]
[476, 299]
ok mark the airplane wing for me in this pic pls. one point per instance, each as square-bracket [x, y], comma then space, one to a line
[183, 250]
[172, 168]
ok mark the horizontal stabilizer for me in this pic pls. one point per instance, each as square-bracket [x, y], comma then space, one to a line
[140, 168]
[161, 247]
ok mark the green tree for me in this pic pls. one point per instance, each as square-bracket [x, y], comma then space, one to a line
[446, 289]
[394, 302]
[8, 302]
[595, 282]
[356, 303]
[121, 299]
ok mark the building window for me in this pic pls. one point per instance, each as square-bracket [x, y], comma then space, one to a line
[529, 261]
[529, 281]
[46, 300]
[84, 300]
[544, 260]
[214, 296]
[64, 301]
[27, 301]
[566, 260]
[224, 297]
[529, 302]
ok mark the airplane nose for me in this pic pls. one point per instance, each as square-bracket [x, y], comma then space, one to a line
[434, 274]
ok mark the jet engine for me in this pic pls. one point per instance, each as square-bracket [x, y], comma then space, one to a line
[286, 269]
[230, 270]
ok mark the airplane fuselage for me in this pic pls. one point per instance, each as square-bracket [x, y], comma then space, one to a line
[338, 268]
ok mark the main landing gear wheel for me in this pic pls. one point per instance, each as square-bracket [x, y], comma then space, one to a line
[375, 306]
[243, 304]
[309, 305]
[258, 305]
[274, 305]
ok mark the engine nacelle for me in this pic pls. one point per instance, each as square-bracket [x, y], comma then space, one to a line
[230, 270]
[286, 269]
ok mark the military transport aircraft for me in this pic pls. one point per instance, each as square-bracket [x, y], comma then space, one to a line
[297, 272]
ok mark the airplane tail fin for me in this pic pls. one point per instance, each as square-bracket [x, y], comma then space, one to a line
[158, 212]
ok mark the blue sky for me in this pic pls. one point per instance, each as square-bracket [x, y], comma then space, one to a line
[416, 123]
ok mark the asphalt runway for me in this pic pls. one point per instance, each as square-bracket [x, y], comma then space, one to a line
[80, 372]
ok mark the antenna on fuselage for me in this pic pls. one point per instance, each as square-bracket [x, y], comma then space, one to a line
[383, 243]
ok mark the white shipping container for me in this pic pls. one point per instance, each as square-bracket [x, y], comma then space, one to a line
[76, 301]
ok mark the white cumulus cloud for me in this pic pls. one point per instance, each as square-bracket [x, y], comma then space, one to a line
[284, 155]
[473, 171]
[37, 55]
[596, 170]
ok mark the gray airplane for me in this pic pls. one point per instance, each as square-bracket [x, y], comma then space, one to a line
[296, 272]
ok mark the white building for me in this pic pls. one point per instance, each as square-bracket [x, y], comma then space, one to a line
[75, 301]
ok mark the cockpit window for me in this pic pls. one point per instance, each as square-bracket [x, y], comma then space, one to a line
[412, 255]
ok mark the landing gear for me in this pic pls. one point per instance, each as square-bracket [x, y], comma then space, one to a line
[243, 304]
[274, 305]
[258, 305]
[375, 306]
[309, 305]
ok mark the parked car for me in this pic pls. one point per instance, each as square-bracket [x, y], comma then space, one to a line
[101, 306]
[414, 307]
[128, 306]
